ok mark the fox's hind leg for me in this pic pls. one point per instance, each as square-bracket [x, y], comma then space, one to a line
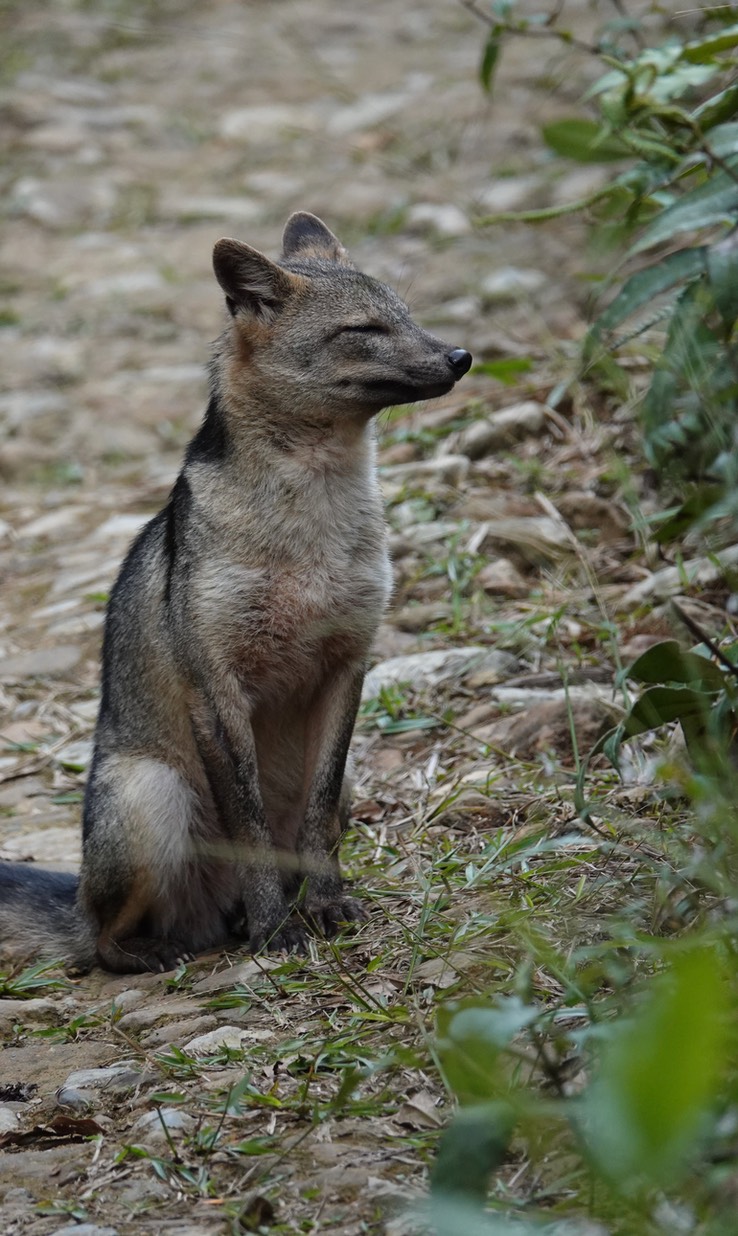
[139, 863]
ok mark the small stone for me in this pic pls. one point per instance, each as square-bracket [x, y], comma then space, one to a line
[130, 284]
[420, 617]
[428, 669]
[41, 663]
[75, 1100]
[510, 193]
[56, 847]
[8, 1120]
[123, 1076]
[149, 1014]
[13, 1012]
[233, 1037]
[502, 578]
[501, 429]
[202, 207]
[587, 511]
[125, 526]
[76, 755]
[670, 581]
[177, 1033]
[84, 1229]
[546, 727]
[366, 112]
[445, 220]
[452, 469]
[165, 1122]
[244, 972]
[265, 122]
[511, 283]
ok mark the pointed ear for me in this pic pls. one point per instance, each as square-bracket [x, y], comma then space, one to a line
[306, 236]
[250, 281]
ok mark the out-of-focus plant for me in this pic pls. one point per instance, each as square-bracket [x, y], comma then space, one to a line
[669, 115]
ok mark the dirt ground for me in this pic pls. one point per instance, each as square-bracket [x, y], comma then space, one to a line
[135, 134]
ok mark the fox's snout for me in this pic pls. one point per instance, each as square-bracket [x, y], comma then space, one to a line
[460, 361]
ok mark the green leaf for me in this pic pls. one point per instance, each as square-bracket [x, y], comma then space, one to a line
[471, 1037]
[711, 203]
[505, 370]
[470, 1149]
[490, 56]
[642, 287]
[688, 514]
[704, 50]
[722, 272]
[583, 140]
[660, 1073]
[720, 107]
[723, 140]
[668, 662]
[660, 705]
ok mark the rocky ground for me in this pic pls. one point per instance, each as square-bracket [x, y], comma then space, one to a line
[134, 134]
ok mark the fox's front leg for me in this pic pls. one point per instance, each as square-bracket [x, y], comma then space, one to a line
[226, 743]
[330, 727]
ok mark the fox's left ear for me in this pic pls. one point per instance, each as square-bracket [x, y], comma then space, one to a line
[250, 281]
[306, 236]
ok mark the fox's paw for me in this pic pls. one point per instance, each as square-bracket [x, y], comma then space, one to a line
[137, 954]
[282, 937]
[329, 914]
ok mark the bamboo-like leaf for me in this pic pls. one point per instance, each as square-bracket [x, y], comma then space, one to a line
[490, 56]
[703, 51]
[711, 203]
[642, 287]
[583, 140]
[722, 272]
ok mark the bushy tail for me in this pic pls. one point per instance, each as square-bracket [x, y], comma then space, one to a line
[39, 917]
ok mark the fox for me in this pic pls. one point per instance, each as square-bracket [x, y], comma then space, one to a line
[237, 634]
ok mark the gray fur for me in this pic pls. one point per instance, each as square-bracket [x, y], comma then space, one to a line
[239, 627]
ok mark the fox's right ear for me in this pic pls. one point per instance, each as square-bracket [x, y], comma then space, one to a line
[250, 281]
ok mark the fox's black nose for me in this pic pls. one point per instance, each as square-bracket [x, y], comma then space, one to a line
[460, 361]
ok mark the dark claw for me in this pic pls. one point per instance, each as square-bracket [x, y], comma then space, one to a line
[285, 938]
[330, 914]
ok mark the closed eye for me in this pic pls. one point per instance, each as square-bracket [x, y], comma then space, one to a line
[365, 328]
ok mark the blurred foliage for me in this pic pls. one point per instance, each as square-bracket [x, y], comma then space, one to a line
[668, 115]
[628, 1072]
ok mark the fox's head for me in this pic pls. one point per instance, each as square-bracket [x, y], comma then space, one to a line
[313, 334]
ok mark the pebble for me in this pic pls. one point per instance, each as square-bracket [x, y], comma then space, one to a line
[225, 1036]
[42, 662]
[502, 578]
[244, 972]
[19, 407]
[366, 112]
[511, 283]
[452, 469]
[500, 429]
[158, 1126]
[670, 581]
[446, 221]
[75, 1100]
[84, 1229]
[178, 1032]
[40, 1008]
[8, 1120]
[123, 1076]
[428, 669]
[241, 208]
[264, 122]
[76, 755]
[510, 193]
